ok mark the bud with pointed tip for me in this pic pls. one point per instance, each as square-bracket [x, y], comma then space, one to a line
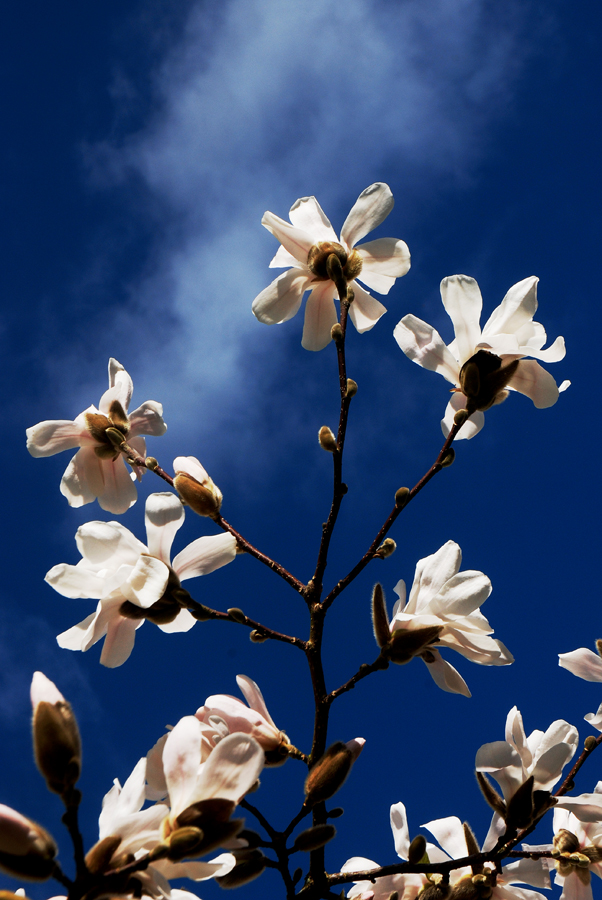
[185, 842]
[331, 770]
[250, 864]
[314, 838]
[402, 496]
[380, 618]
[195, 487]
[56, 740]
[405, 645]
[491, 795]
[26, 849]
[99, 857]
[327, 439]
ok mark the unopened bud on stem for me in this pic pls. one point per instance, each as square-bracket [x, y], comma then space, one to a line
[448, 458]
[56, 740]
[327, 439]
[26, 849]
[460, 417]
[330, 772]
[387, 547]
[402, 496]
[351, 388]
[195, 487]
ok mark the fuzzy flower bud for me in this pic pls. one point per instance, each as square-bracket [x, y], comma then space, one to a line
[327, 439]
[26, 849]
[56, 740]
[195, 487]
[330, 772]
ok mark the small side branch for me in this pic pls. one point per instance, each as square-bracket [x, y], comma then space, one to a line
[204, 613]
[266, 560]
[365, 669]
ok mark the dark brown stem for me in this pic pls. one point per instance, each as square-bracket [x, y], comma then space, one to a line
[135, 459]
[365, 669]
[206, 613]
[370, 554]
[568, 783]
[266, 560]
[70, 820]
[278, 839]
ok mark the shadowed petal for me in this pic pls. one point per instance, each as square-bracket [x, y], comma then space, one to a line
[445, 676]
[232, 769]
[423, 345]
[164, 515]
[307, 214]
[471, 426]
[320, 316]
[383, 261]
[120, 387]
[463, 303]
[583, 663]
[147, 419]
[365, 311]
[533, 381]
[50, 437]
[370, 209]
[297, 241]
[516, 309]
[281, 300]
[204, 556]
[184, 621]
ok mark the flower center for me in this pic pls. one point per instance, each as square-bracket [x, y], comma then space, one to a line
[483, 379]
[97, 425]
[317, 259]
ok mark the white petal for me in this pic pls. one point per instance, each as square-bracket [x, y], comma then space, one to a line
[189, 465]
[320, 316]
[281, 300]
[595, 719]
[75, 638]
[75, 582]
[283, 259]
[366, 310]
[232, 768]
[583, 663]
[450, 834]
[432, 572]
[43, 689]
[462, 594]
[50, 437]
[516, 309]
[109, 544]
[205, 555]
[533, 381]
[446, 677]
[119, 491]
[82, 481]
[254, 697]
[423, 345]
[119, 641]
[181, 761]
[297, 241]
[463, 303]
[585, 807]
[198, 871]
[370, 209]
[164, 515]
[120, 387]
[383, 261]
[401, 833]
[183, 622]
[307, 214]
[471, 426]
[147, 582]
[147, 419]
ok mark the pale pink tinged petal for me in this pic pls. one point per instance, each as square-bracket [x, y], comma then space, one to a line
[75, 638]
[83, 478]
[120, 387]
[43, 689]
[462, 593]
[473, 424]
[515, 734]
[533, 381]
[463, 303]
[446, 677]
[147, 582]
[283, 259]
[401, 833]
[204, 556]
[50, 437]
[295, 240]
[366, 310]
[554, 353]
[254, 697]
[189, 465]
[75, 582]
[383, 261]
[183, 622]
[356, 745]
[307, 214]
[496, 830]
[231, 770]
[449, 833]
[574, 889]
[198, 871]
[583, 663]
[370, 209]
[595, 719]
[237, 716]
[119, 641]
[496, 755]
[359, 864]
[108, 544]
[515, 893]
[181, 761]
[585, 807]
[432, 573]
[549, 766]
[400, 590]
[281, 300]
[147, 419]
[320, 316]
[423, 345]
[516, 309]
[559, 731]
[119, 492]
[164, 515]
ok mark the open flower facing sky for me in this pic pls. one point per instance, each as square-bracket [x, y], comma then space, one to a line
[483, 364]
[542, 755]
[133, 581]
[580, 846]
[98, 470]
[306, 245]
[443, 611]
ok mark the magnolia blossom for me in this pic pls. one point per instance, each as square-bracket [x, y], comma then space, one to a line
[98, 469]
[580, 846]
[224, 714]
[585, 664]
[306, 245]
[481, 364]
[407, 886]
[133, 581]
[541, 755]
[443, 611]
[451, 835]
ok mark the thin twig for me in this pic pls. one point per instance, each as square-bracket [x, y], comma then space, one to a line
[379, 663]
[206, 613]
[266, 560]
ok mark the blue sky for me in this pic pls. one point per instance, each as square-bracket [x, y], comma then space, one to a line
[140, 152]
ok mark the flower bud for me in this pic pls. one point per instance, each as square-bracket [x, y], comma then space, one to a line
[237, 615]
[336, 332]
[565, 841]
[185, 842]
[327, 439]
[417, 850]
[256, 637]
[250, 864]
[402, 495]
[26, 849]
[387, 547]
[405, 645]
[380, 619]
[590, 742]
[313, 838]
[448, 458]
[99, 857]
[599, 647]
[351, 388]
[56, 740]
[331, 770]
[195, 487]
[460, 417]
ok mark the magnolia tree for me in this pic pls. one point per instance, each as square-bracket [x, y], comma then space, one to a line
[176, 815]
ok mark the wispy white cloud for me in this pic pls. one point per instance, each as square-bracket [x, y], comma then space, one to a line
[273, 100]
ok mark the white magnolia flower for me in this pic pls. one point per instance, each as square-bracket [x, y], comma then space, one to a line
[306, 245]
[481, 364]
[585, 664]
[580, 846]
[451, 835]
[228, 715]
[407, 886]
[98, 470]
[116, 569]
[443, 611]
[542, 755]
